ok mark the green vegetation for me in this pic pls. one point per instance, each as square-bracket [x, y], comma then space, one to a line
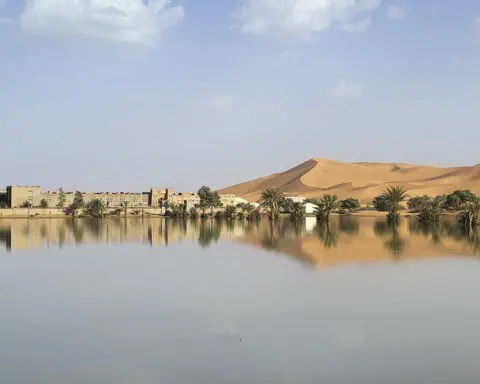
[327, 205]
[43, 203]
[381, 204]
[245, 210]
[193, 213]
[458, 200]
[230, 212]
[175, 210]
[417, 203]
[470, 217]
[208, 199]
[297, 211]
[393, 196]
[26, 204]
[61, 198]
[350, 205]
[78, 203]
[270, 200]
[95, 208]
[432, 210]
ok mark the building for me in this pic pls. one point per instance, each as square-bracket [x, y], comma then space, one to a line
[18, 196]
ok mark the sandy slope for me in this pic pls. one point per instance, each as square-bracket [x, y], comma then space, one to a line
[361, 180]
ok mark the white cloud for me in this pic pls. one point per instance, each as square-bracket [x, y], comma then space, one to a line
[300, 17]
[396, 12]
[132, 21]
[347, 90]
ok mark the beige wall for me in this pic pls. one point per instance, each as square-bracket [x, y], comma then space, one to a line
[109, 199]
[18, 195]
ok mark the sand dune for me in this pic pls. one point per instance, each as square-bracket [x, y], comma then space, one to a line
[361, 180]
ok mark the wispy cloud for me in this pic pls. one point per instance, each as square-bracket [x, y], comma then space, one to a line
[347, 90]
[301, 17]
[131, 21]
[396, 12]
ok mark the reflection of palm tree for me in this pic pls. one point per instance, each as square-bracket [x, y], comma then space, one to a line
[327, 235]
[395, 244]
[209, 232]
[61, 236]
[381, 228]
[76, 229]
[270, 239]
[474, 241]
[43, 232]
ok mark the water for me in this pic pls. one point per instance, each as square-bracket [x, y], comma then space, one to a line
[158, 301]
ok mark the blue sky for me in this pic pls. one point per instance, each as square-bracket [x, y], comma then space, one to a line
[129, 94]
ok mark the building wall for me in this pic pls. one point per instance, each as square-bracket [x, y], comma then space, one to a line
[109, 199]
[156, 195]
[18, 195]
[228, 200]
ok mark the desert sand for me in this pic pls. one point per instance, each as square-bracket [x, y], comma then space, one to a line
[364, 181]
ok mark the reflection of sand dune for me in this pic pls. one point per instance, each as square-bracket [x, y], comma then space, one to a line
[360, 245]
[347, 240]
[362, 180]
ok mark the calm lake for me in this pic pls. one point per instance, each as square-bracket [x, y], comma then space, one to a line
[162, 301]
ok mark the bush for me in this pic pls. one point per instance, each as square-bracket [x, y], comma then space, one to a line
[396, 168]
[416, 204]
[95, 208]
[457, 200]
[44, 203]
[349, 205]
[381, 204]
[193, 213]
[3, 204]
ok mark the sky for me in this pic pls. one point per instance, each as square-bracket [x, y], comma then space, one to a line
[125, 95]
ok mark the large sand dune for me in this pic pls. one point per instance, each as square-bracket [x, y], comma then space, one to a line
[364, 181]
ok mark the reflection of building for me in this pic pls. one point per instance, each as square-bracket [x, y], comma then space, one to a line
[23, 234]
[17, 196]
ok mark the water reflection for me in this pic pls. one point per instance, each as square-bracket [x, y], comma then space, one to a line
[346, 239]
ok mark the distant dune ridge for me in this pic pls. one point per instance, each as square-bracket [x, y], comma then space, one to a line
[364, 181]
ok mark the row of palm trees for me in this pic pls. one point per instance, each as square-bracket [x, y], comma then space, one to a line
[430, 212]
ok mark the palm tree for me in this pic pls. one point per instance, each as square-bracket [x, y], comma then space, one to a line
[230, 212]
[271, 199]
[297, 211]
[432, 210]
[471, 217]
[325, 207]
[394, 195]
